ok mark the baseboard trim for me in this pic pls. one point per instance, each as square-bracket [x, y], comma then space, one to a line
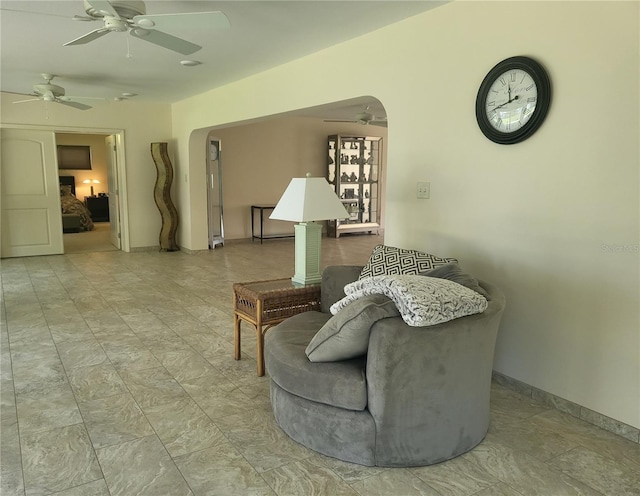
[583, 413]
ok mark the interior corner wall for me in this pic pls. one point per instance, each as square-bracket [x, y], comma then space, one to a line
[553, 221]
[142, 123]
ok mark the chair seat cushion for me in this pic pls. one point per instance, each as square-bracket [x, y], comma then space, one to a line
[342, 384]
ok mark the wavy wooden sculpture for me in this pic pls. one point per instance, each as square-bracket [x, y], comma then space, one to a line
[162, 196]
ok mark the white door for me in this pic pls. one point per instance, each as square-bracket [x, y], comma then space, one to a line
[31, 212]
[114, 191]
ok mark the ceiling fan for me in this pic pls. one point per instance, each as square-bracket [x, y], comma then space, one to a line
[131, 15]
[53, 93]
[365, 118]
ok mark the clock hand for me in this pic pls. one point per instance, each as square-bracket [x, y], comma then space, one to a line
[507, 103]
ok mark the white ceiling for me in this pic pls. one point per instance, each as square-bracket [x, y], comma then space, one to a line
[263, 34]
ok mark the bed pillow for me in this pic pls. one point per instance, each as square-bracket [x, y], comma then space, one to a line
[453, 272]
[346, 334]
[388, 260]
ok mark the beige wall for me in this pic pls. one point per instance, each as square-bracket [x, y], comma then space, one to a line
[259, 160]
[554, 221]
[98, 162]
[140, 123]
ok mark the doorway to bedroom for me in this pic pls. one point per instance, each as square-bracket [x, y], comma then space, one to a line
[87, 163]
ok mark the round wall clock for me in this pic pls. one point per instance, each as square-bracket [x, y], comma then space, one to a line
[513, 100]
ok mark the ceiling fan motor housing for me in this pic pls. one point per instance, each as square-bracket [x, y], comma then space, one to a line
[49, 91]
[125, 9]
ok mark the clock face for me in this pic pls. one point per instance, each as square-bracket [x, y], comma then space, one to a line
[513, 100]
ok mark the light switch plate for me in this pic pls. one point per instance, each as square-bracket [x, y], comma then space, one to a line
[424, 190]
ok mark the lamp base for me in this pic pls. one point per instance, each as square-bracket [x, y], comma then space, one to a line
[308, 246]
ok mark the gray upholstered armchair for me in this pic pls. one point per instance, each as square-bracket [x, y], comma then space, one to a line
[419, 396]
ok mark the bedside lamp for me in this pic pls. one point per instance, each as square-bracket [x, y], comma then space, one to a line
[306, 200]
[91, 182]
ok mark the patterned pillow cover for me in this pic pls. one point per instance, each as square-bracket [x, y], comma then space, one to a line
[387, 260]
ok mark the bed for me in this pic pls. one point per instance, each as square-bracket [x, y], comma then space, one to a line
[75, 216]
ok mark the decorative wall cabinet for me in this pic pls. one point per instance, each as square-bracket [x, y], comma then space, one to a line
[354, 171]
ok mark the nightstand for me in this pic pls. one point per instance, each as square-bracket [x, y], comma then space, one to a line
[98, 207]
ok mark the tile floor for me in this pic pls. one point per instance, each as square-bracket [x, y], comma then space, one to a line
[118, 379]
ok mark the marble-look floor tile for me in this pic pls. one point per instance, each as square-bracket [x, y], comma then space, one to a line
[589, 436]
[523, 435]
[217, 396]
[499, 489]
[96, 381]
[394, 481]
[37, 375]
[306, 478]
[58, 459]
[47, 409]
[184, 364]
[508, 402]
[260, 440]
[524, 473]
[457, 477]
[152, 387]
[349, 472]
[131, 357]
[114, 420]
[42, 349]
[141, 467]
[70, 332]
[601, 473]
[81, 353]
[182, 426]
[221, 470]
[95, 488]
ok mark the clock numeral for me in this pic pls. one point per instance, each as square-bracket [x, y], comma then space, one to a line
[524, 76]
[532, 85]
[503, 81]
[531, 99]
[491, 104]
[513, 77]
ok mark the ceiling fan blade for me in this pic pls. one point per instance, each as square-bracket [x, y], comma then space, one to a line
[29, 100]
[86, 38]
[193, 21]
[378, 123]
[104, 7]
[340, 120]
[165, 40]
[76, 105]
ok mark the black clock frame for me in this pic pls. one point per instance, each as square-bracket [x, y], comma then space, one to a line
[543, 85]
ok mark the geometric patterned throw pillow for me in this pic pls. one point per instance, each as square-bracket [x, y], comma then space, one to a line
[388, 260]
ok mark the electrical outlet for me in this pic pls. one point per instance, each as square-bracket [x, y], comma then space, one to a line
[424, 190]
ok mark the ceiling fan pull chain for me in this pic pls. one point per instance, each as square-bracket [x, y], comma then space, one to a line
[129, 56]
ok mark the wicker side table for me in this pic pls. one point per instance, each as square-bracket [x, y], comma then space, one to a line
[266, 303]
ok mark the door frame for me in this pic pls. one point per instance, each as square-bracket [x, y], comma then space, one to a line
[121, 167]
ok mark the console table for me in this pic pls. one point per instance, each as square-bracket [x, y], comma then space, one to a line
[267, 303]
[261, 209]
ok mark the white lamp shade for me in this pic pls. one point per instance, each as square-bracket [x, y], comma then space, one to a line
[307, 199]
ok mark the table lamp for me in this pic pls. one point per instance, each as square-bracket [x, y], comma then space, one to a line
[91, 182]
[306, 200]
